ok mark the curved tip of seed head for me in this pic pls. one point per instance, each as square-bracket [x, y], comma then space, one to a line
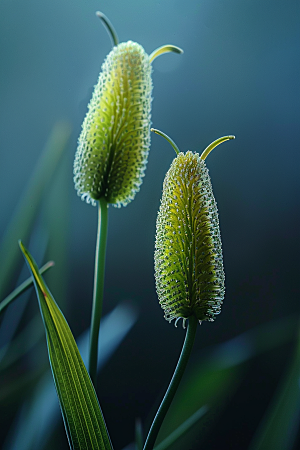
[174, 49]
[214, 144]
[109, 27]
[164, 49]
[167, 138]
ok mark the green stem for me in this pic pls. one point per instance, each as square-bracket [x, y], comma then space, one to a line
[98, 286]
[169, 395]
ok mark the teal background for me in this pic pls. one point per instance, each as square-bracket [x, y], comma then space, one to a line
[239, 74]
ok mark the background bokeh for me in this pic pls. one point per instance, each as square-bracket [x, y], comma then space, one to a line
[239, 74]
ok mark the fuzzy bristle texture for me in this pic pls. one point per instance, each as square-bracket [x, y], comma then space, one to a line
[189, 271]
[113, 147]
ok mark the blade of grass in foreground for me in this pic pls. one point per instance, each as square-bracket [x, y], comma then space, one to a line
[39, 415]
[25, 211]
[84, 423]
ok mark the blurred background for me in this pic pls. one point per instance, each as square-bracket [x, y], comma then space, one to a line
[239, 74]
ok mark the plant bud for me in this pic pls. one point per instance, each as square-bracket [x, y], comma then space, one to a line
[188, 251]
[114, 143]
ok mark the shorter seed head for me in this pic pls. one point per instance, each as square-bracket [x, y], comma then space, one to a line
[189, 270]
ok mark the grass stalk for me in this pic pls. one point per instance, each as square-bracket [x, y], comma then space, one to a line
[98, 286]
[174, 383]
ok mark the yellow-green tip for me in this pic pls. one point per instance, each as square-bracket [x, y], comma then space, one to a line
[214, 144]
[164, 49]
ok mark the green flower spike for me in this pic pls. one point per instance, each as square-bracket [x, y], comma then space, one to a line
[113, 147]
[188, 257]
[188, 251]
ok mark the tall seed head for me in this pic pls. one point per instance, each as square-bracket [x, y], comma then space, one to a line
[188, 251]
[114, 143]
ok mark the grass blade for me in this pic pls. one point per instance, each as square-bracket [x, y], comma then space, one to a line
[138, 434]
[56, 217]
[22, 288]
[26, 339]
[25, 211]
[216, 377]
[39, 415]
[84, 423]
[279, 427]
[183, 428]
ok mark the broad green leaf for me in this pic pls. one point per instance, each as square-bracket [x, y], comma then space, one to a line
[279, 427]
[22, 288]
[83, 419]
[38, 416]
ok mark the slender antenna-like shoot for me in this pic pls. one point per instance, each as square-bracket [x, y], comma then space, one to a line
[167, 138]
[164, 49]
[214, 144]
[109, 27]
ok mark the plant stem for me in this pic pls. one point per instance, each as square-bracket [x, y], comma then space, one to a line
[98, 286]
[169, 395]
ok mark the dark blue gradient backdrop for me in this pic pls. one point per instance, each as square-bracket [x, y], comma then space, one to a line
[239, 74]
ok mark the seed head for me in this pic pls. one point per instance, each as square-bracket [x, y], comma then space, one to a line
[114, 143]
[189, 272]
